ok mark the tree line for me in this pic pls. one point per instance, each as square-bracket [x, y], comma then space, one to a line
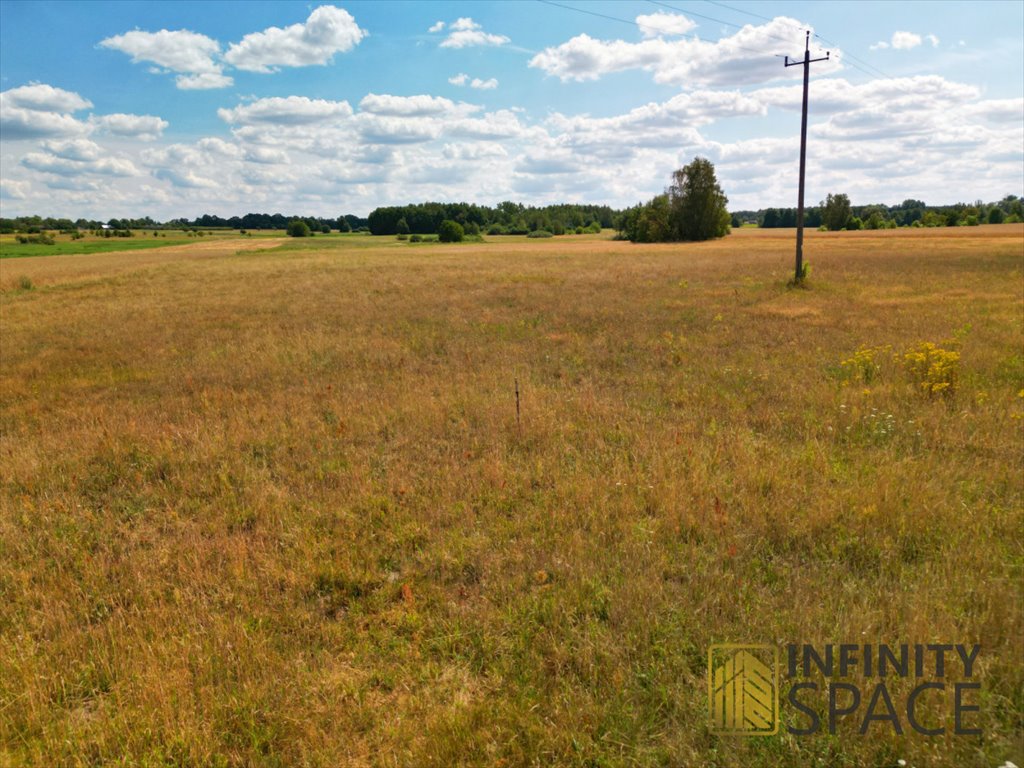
[659, 219]
[506, 218]
[837, 213]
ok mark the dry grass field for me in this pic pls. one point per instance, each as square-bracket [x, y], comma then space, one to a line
[267, 503]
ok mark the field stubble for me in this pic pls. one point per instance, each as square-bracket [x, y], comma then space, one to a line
[272, 507]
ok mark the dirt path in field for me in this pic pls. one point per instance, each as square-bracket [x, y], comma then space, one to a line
[76, 267]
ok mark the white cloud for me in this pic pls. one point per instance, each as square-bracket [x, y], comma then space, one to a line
[13, 190]
[293, 110]
[411, 106]
[74, 149]
[40, 111]
[43, 98]
[219, 147]
[377, 129]
[933, 40]
[327, 31]
[466, 33]
[144, 127]
[63, 166]
[204, 81]
[462, 79]
[267, 156]
[436, 26]
[661, 23]
[17, 123]
[184, 179]
[904, 41]
[830, 94]
[685, 62]
[73, 184]
[177, 50]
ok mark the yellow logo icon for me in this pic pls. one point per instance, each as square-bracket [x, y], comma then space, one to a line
[743, 689]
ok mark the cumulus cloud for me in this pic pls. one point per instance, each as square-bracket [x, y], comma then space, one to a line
[327, 31]
[13, 190]
[216, 146]
[378, 129]
[292, 110]
[46, 162]
[686, 62]
[184, 179]
[40, 111]
[466, 33]
[267, 155]
[904, 41]
[144, 127]
[204, 81]
[660, 24]
[17, 123]
[462, 79]
[436, 26]
[177, 50]
[41, 97]
[411, 106]
[830, 95]
[74, 149]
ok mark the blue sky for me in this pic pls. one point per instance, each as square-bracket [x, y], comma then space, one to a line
[183, 108]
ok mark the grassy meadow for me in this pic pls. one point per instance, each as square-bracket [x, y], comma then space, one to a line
[268, 503]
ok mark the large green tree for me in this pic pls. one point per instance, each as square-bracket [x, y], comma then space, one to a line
[693, 208]
[698, 205]
[835, 211]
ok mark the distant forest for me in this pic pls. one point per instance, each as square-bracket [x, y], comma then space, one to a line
[906, 214]
[516, 219]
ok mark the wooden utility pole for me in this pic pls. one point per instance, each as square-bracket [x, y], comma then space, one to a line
[807, 61]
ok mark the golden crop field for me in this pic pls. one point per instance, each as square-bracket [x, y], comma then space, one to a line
[268, 502]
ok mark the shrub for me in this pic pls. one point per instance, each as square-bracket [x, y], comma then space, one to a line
[580, 231]
[25, 283]
[540, 233]
[326, 230]
[996, 216]
[496, 229]
[415, 238]
[298, 228]
[401, 237]
[450, 232]
[472, 228]
[853, 224]
[42, 239]
[934, 369]
[594, 227]
[558, 228]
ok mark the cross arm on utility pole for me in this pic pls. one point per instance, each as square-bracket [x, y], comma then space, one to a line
[807, 61]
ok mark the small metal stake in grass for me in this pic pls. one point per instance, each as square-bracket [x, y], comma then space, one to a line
[519, 426]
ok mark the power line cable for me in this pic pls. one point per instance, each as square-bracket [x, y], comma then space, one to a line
[853, 60]
[717, 21]
[642, 26]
